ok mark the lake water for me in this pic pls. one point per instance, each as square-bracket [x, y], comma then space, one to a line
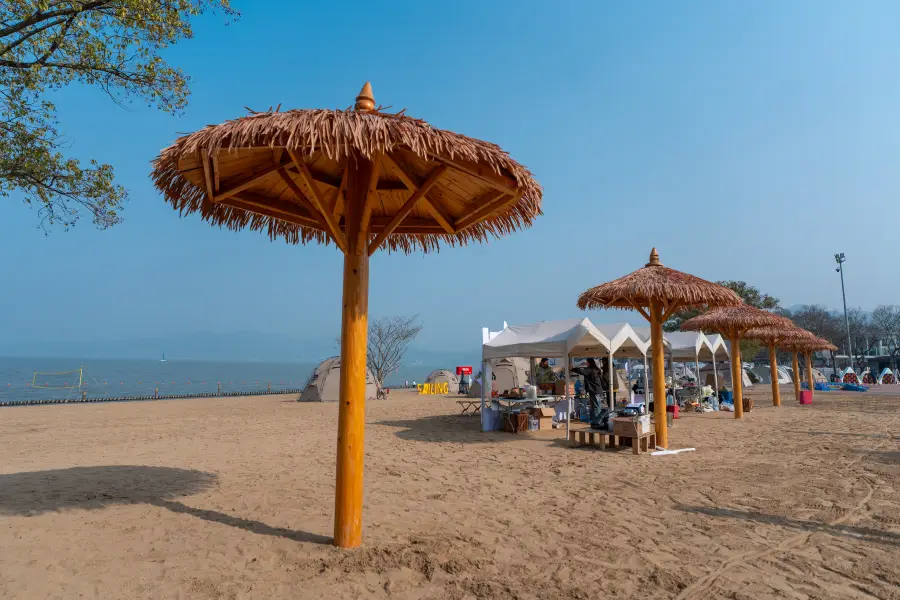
[117, 378]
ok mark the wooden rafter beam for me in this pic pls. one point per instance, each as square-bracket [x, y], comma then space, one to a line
[316, 202]
[443, 219]
[369, 200]
[407, 207]
[246, 182]
[488, 204]
[207, 176]
[337, 205]
[276, 209]
[335, 182]
[215, 170]
[484, 173]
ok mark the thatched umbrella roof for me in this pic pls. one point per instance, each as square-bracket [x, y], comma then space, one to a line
[780, 337]
[285, 173]
[672, 289]
[817, 344]
[735, 321]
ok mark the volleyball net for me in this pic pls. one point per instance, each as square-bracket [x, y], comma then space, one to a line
[60, 380]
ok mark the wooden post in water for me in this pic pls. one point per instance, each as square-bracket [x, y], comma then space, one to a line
[659, 374]
[773, 370]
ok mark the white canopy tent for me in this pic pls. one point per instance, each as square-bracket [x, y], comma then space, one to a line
[551, 339]
[625, 342]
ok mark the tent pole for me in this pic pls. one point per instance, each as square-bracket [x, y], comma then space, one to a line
[809, 372]
[646, 385]
[659, 375]
[716, 377]
[348, 500]
[737, 372]
[795, 365]
[697, 378]
[610, 394]
[566, 399]
[773, 369]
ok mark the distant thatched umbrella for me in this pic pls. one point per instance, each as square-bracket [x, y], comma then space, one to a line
[662, 292]
[781, 337]
[734, 323]
[362, 179]
[814, 345]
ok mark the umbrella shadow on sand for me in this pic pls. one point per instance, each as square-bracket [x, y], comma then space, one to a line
[94, 488]
[867, 534]
[453, 428]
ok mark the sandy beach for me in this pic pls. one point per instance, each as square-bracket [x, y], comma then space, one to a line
[232, 498]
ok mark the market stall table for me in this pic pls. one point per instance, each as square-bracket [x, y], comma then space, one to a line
[467, 405]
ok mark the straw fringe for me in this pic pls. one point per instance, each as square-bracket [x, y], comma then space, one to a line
[660, 284]
[341, 134]
[735, 319]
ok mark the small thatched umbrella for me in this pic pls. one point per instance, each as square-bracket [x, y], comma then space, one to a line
[733, 323]
[658, 292]
[814, 345]
[362, 179]
[780, 337]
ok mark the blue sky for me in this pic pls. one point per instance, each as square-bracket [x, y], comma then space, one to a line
[745, 140]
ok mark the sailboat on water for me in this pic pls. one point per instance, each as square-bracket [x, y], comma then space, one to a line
[163, 359]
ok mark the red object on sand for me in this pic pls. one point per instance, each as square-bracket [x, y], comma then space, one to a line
[673, 410]
[805, 397]
[463, 370]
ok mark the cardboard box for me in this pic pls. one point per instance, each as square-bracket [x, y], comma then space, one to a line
[544, 417]
[559, 389]
[630, 427]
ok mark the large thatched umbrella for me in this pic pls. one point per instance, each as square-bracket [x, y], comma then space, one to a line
[657, 292]
[362, 179]
[734, 323]
[780, 337]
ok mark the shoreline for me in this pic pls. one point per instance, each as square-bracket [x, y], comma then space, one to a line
[98, 399]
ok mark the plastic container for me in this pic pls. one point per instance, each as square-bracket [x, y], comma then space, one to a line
[726, 396]
[805, 397]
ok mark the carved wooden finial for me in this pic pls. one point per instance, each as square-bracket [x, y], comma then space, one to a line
[654, 259]
[365, 100]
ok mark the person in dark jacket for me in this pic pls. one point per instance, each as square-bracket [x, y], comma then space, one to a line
[595, 382]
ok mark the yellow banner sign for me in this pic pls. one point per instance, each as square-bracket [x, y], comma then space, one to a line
[431, 389]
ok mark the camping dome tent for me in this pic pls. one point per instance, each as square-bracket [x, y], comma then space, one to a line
[445, 376]
[324, 383]
[764, 374]
[507, 373]
[510, 373]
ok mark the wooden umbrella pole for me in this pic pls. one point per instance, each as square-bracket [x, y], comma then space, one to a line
[737, 370]
[773, 370]
[659, 375]
[809, 372]
[795, 365]
[348, 501]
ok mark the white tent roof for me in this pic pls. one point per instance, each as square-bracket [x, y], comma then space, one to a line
[719, 348]
[624, 340]
[687, 345]
[572, 337]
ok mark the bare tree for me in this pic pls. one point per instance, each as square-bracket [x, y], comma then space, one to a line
[886, 321]
[389, 338]
[820, 321]
[863, 335]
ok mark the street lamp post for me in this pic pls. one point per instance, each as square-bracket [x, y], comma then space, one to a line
[840, 259]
